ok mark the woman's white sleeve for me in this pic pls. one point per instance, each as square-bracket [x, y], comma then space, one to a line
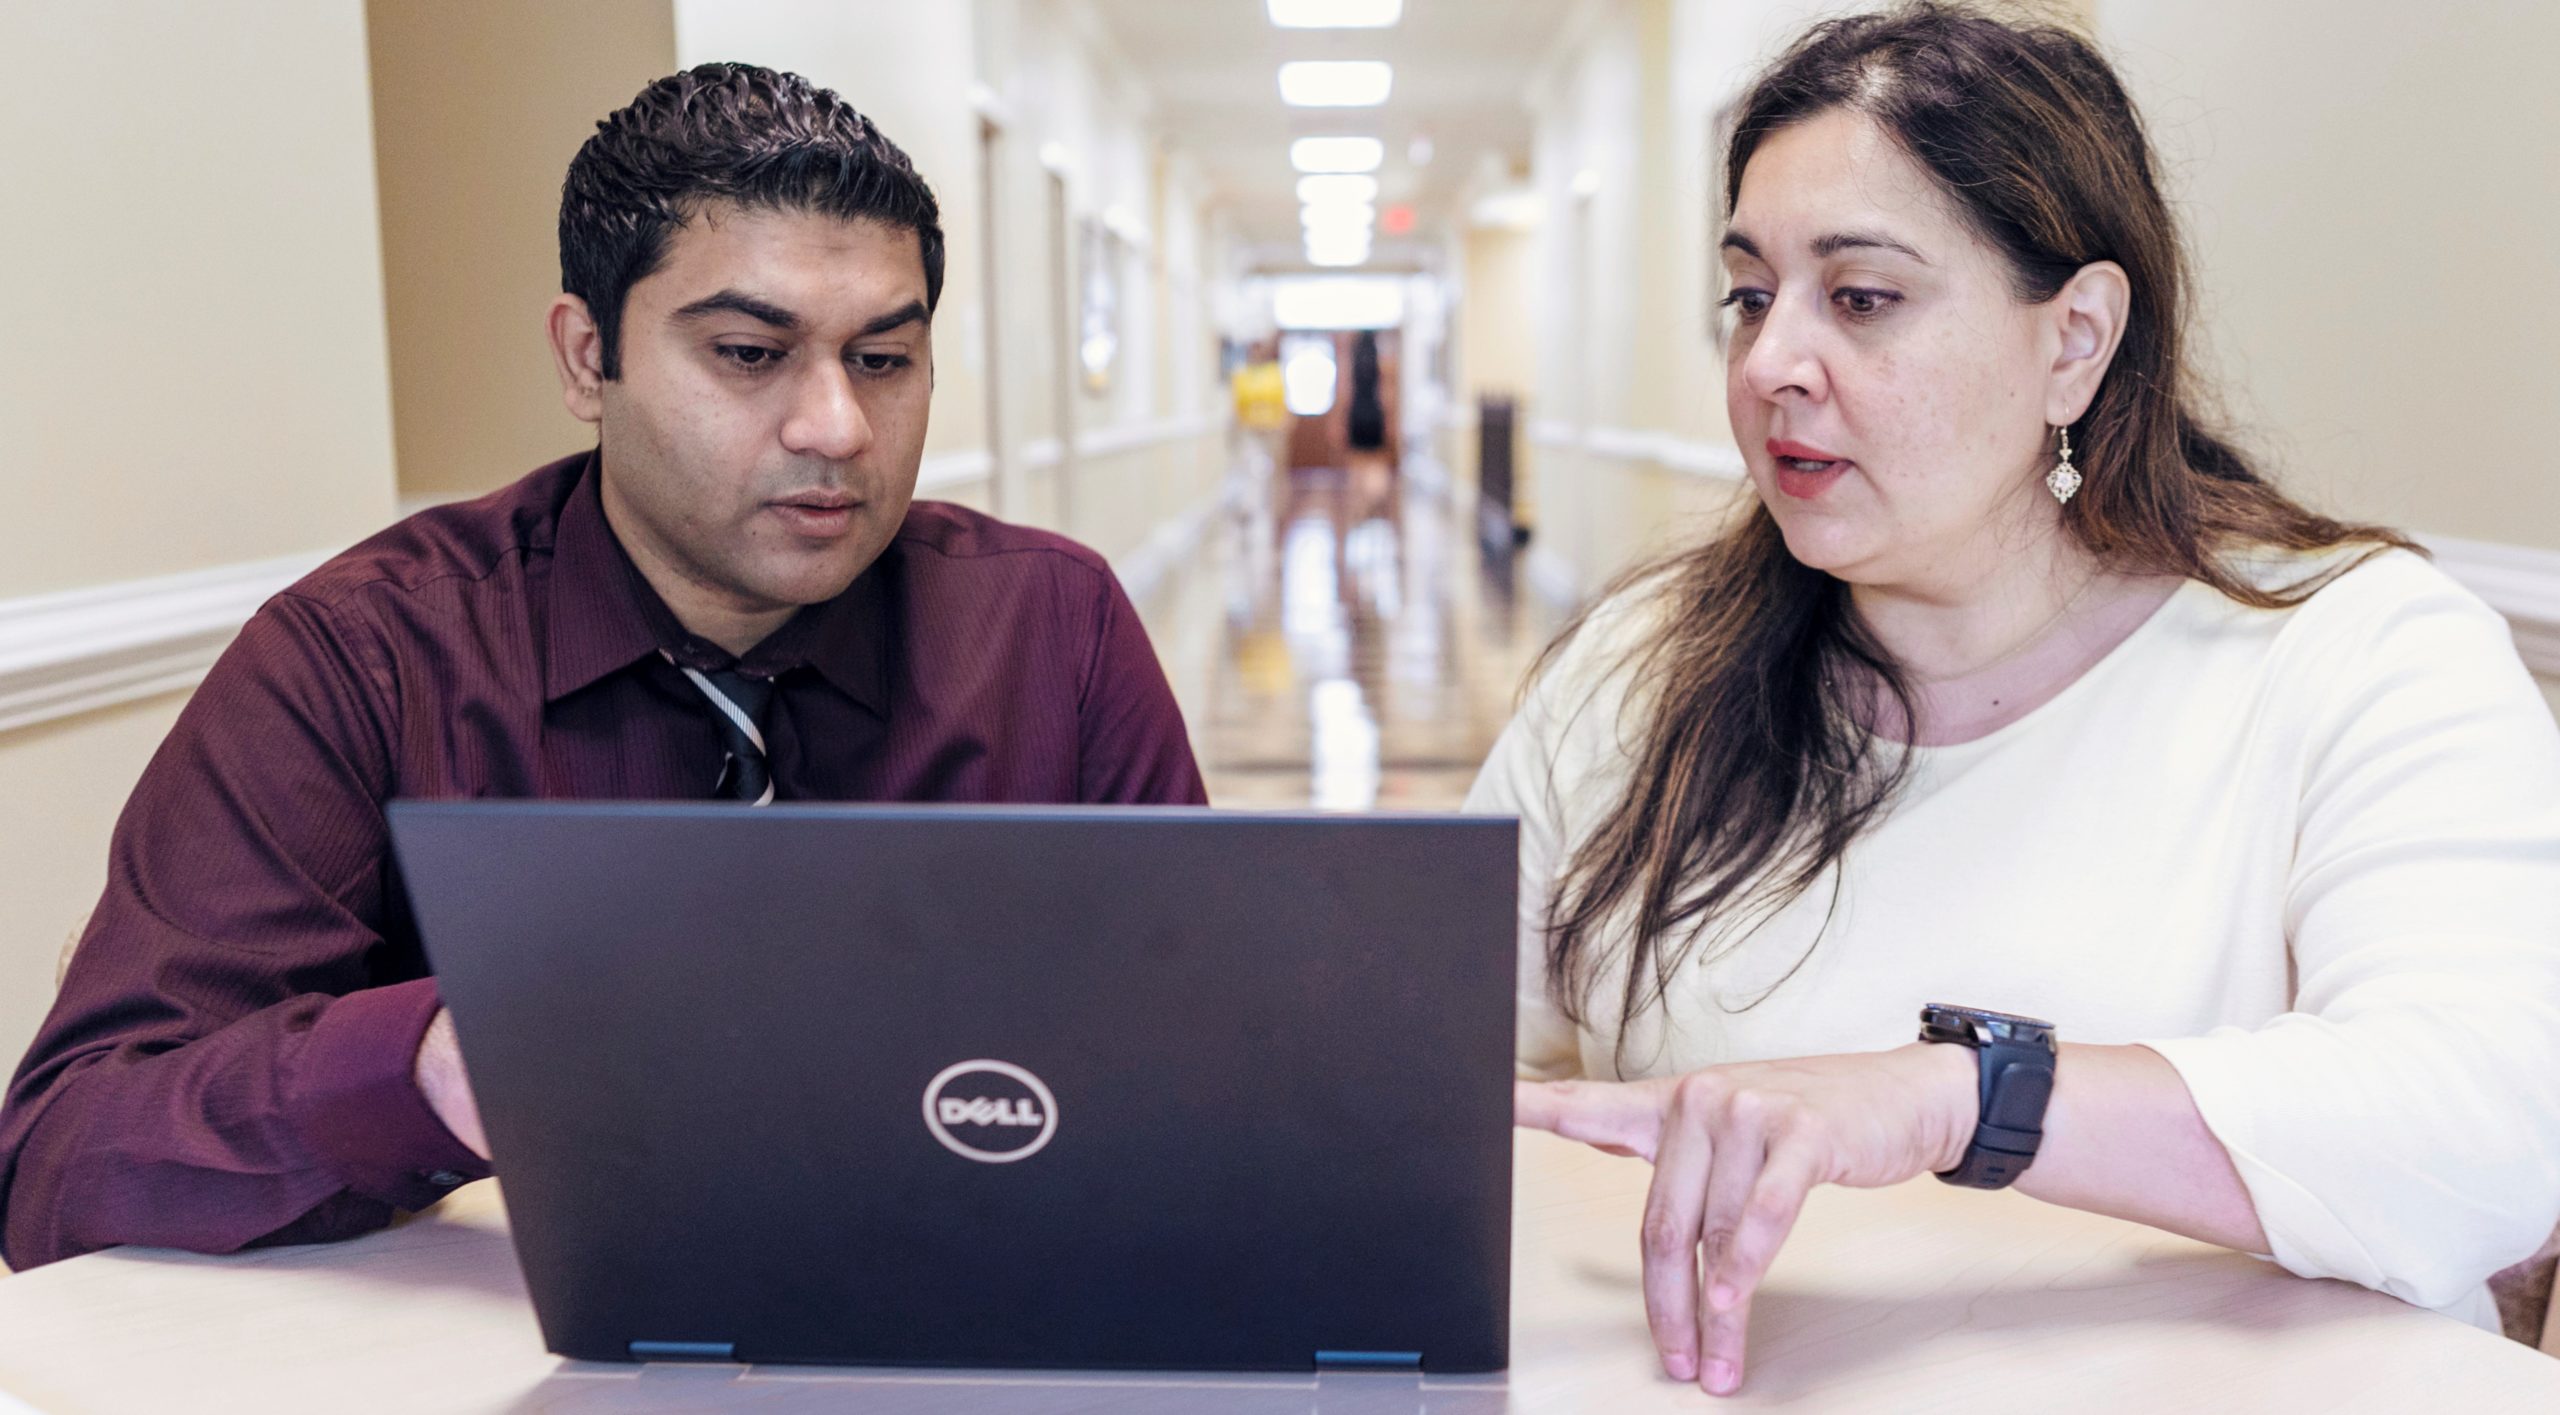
[1519, 779]
[2400, 1127]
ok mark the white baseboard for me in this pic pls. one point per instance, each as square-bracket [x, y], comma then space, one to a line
[1715, 461]
[1553, 578]
[2520, 582]
[1108, 441]
[1042, 453]
[77, 651]
[945, 470]
[1142, 571]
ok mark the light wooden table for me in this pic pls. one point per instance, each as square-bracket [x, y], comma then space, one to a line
[1910, 1299]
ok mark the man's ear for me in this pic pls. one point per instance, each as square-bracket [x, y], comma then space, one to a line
[577, 351]
[2089, 313]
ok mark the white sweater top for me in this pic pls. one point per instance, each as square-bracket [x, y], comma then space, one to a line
[2310, 856]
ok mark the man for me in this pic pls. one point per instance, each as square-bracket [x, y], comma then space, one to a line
[731, 596]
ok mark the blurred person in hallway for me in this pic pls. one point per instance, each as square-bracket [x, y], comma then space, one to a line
[733, 595]
[1369, 433]
[2231, 831]
[1261, 395]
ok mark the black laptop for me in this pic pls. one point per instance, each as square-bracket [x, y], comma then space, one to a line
[989, 1086]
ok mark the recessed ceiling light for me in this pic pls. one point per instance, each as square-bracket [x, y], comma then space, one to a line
[1335, 14]
[1337, 154]
[1337, 216]
[1336, 83]
[1332, 247]
[1342, 187]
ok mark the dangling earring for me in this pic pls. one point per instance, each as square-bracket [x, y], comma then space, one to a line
[2064, 480]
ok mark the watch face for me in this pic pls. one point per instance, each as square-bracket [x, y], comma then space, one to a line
[1979, 1027]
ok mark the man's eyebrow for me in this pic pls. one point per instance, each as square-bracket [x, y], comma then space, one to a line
[736, 302]
[913, 313]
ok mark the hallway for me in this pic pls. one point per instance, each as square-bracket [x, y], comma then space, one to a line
[1344, 644]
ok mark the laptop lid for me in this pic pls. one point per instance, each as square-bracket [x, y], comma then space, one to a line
[1038, 1087]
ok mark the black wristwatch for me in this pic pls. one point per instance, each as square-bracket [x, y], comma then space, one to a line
[2015, 1056]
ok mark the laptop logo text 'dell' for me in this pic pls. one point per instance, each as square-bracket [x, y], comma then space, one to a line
[993, 1112]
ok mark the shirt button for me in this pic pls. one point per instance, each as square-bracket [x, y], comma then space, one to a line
[445, 1179]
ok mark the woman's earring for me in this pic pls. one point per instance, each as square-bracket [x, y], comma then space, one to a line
[2064, 480]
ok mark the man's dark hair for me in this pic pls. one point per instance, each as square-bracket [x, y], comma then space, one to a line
[725, 133]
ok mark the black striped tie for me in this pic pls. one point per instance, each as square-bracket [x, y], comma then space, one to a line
[738, 703]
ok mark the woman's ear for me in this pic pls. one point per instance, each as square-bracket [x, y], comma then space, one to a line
[2088, 315]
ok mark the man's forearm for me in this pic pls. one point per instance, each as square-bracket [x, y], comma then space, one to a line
[273, 1128]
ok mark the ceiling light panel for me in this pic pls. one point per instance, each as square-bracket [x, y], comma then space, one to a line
[1337, 154]
[1336, 83]
[1335, 14]
[1329, 247]
[1340, 189]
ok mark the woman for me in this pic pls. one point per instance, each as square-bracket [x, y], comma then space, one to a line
[2019, 689]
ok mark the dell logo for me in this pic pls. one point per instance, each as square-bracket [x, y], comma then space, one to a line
[990, 1111]
[982, 1111]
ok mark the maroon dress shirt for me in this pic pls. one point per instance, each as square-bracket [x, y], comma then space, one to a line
[229, 1061]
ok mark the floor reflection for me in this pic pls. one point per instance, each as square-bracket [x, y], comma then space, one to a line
[1342, 642]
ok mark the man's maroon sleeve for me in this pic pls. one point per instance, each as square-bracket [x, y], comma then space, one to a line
[1135, 751]
[229, 1060]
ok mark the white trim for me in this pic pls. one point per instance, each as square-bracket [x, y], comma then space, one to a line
[1142, 569]
[1714, 461]
[987, 104]
[1553, 577]
[1048, 452]
[1552, 432]
[2521, 582]
[1111, 441]
[948, 469]
[78, 651]
[416, 502]
[1621, 442]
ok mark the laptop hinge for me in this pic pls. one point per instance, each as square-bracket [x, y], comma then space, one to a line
[1368, 1360]
[684, 1351]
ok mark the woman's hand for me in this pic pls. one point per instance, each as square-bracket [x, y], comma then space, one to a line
[1735, 1149]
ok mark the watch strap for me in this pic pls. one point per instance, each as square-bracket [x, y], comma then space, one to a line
[2016, 1082]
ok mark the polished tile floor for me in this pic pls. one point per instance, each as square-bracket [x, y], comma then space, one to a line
[1340, 641]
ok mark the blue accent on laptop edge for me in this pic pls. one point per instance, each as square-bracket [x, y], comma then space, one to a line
[684, 1351]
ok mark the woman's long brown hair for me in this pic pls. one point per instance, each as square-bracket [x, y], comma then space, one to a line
[1755, 766]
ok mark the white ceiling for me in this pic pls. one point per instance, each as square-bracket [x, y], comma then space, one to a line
[1212, 67]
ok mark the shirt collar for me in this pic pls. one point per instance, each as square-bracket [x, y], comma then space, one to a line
[605, 616]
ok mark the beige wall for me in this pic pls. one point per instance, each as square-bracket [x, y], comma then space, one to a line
[194, 372]
[908, 68]
[1073, 116]
[478, 107]
[2372, 190]
[2369, 188]
[64, 783]
[1057, 89]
